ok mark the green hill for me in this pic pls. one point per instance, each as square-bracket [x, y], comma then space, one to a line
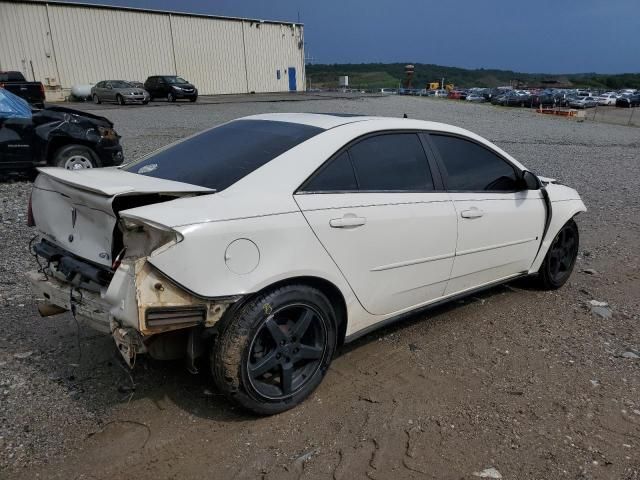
[379, 75]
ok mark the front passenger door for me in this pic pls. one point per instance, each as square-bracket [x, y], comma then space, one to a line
[500, 223]
[108, 92]
[388, 227]
[16, 141]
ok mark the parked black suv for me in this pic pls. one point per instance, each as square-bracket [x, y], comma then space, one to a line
[170, 87]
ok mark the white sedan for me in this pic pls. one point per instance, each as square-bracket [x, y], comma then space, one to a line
[608, 98]
[269, 241]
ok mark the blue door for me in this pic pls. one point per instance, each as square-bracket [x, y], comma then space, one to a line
[292, 79]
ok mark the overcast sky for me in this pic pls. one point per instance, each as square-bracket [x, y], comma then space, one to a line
[550, 36]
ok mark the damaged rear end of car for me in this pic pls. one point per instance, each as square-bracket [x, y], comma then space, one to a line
[93, 261]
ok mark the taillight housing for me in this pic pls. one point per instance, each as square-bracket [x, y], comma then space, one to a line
[142, 238]
[31, 222]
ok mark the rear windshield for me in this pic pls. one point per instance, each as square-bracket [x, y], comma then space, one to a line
[219, 157]
[11, 77]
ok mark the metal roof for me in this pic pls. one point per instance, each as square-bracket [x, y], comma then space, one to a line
[149, 10]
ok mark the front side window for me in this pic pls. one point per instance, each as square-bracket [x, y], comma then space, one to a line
[394, 162]
[219, 157]
[471, 167]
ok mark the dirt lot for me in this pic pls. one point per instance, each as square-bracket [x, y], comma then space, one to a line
[533, 384]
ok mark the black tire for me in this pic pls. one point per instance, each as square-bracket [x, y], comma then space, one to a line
[249, 365]
[120, 99]
[145, 102]
[96, 99]
[193, 99]
[171, 98]
[561, 258]
[70, 155]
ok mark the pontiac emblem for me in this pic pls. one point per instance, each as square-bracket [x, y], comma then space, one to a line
[74, 216]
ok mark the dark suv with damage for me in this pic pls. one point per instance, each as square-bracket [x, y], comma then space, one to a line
[54, 136]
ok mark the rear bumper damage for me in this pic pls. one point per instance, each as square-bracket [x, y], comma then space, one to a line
[139, 307]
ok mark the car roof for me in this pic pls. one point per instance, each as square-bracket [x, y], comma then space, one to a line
[327, 121]
[371, 124]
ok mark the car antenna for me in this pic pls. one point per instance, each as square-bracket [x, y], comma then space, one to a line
[405, 116]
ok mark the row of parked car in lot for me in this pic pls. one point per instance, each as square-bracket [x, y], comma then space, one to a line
[508, 97]
[169, 87]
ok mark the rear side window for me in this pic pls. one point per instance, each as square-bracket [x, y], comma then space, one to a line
[471, 167]
[219, 157]
[337, 176]
[393, 162]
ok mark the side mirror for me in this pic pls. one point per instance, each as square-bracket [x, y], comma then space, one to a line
[530, 181]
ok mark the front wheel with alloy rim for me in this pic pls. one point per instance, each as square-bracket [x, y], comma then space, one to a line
[561, 257]
[75, 157]
[96, 99]
[120, 99]
[274, 351]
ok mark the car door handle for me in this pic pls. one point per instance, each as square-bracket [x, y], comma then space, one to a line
[347, 221]
[473, 212]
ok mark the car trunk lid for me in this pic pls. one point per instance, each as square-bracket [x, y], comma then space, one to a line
[78, 210]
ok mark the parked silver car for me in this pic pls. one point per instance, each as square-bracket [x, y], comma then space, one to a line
[119, 91]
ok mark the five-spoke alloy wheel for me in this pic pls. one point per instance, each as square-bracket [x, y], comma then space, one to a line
[274, 351]
[286, 351]
[561, 257]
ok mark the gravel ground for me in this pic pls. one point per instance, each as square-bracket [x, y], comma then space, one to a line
[532, 384]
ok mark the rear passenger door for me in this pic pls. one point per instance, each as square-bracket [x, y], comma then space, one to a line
[386, 223]
[500, 223]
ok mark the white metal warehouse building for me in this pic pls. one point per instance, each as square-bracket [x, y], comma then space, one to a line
[64, 44]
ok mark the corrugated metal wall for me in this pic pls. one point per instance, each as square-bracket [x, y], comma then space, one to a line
[25, 39]
[70, 44]
[96, 44]
[210, 54]
[271, 47]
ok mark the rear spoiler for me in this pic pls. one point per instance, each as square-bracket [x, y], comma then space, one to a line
[111, 182]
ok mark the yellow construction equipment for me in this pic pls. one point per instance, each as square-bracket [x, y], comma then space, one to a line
[433, 85]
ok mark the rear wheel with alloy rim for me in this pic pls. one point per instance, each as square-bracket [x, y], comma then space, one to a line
[275, 350]
[561, 257]
[171, 97]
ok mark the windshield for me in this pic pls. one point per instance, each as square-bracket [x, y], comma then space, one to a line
[175, 80]
[219, 157]
[120, 84]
